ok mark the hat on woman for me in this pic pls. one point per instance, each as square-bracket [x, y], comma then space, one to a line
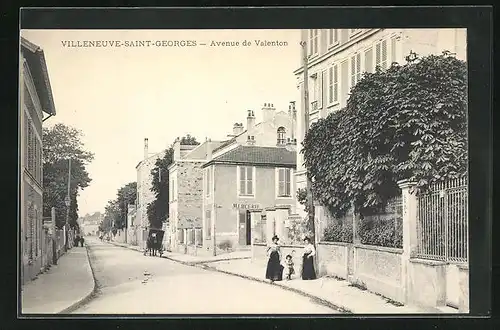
[307, 239]
[275, 238]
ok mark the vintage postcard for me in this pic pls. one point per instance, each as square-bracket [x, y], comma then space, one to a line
[313, 171]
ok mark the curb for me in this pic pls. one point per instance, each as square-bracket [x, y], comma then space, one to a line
[203, 265]
[87, 297]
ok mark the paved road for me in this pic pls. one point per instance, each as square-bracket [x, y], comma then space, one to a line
[173, 288]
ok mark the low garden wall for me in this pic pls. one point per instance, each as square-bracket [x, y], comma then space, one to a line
[378, 269]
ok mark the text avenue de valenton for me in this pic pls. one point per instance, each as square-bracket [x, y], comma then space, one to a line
[168, 43]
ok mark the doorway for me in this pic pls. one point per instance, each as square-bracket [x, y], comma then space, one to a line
[245, 234]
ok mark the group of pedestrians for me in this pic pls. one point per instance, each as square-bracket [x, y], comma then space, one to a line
[275, 268]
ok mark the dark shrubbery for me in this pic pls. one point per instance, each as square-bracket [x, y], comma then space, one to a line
[338, 232]
[386, 233]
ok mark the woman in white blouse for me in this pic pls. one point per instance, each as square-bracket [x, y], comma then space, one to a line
[308, 272]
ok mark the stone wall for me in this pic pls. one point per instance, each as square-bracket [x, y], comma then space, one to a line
[190, 192]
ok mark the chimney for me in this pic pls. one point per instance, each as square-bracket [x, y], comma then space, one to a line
[268, 111]
[210, 148]
[250, 120]
[146, 151]
[177, 149]
[293, 116]
[237, 129]
[250, 140]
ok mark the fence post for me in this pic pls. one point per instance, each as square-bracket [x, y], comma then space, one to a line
[410, 204]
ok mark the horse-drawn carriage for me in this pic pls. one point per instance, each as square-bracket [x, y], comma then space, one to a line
[154, 242]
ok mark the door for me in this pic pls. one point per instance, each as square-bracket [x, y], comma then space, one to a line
[249, 228]
[242, 225]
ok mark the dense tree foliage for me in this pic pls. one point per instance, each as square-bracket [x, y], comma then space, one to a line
[115, 212]
[158, 209]
[61, 143]
[408, 122]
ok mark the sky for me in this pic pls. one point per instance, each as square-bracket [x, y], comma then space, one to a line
[117, 96]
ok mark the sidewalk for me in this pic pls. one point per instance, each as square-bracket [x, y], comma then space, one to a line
[62, 288]
[334, 292]
[191, 259]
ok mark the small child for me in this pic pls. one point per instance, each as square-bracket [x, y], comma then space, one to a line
[289, 270]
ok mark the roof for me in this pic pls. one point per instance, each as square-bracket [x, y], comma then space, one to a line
[232, 140]
[264, 156]
[36, 62]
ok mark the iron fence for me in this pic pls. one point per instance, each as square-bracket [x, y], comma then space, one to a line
[443, 222]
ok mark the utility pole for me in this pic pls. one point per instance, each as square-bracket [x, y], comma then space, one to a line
[68, 203]
[310, 201]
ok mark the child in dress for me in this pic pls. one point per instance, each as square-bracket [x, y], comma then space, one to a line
[289, 270]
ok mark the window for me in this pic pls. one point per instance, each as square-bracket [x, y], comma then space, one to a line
[180, 233]
[208, 187]
[246, 181]
[355, 69]
[208, 224]
[333, 37]
[369, 60]
[333, 84]
[281, 136]
[381, 54]
[30, 147]
[313, 41]
[284, 182]
[317, 95]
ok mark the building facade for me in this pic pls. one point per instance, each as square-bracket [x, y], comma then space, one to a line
[35, 100]
[145, 194]
[186, 193]
[131, 237]
[338, 57]
[242, 190]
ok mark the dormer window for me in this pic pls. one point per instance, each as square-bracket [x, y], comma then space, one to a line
[281, 136]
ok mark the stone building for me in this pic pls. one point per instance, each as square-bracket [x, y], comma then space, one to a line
[186, 193]
[145, 195]
[35, 100]
[338, 58]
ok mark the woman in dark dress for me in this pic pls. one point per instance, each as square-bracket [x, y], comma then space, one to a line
[308, 272]
[274, 271]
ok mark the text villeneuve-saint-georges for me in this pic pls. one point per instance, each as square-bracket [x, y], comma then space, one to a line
[169, 43]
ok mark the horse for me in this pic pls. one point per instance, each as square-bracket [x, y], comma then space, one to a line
[151, 246]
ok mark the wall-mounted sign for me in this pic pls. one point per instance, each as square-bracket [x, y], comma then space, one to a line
[246, 206]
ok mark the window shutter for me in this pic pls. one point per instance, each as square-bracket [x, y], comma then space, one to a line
[369, 60]
[377, 54]
[353, 71]
[330, 84]
[330, 36]
[322, 78]
[344, 82]
[336, 83]
[249, 181]
[358, 67]
[384, 54]
[393, 50]
[287, 182]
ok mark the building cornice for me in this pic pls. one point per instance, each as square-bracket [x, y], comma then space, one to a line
[257, 164]
[334, 50]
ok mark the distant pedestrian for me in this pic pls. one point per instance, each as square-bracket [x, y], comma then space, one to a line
[308, 272]
[274, 271]
[82, 240]
[289, 266]
[76, 240]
